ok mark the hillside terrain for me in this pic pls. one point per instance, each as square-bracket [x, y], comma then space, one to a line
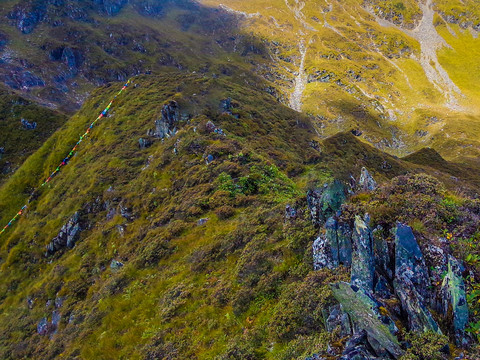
[276, 180]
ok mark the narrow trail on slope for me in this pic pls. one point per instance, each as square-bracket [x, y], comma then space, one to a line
[430, 41]
[300, 80]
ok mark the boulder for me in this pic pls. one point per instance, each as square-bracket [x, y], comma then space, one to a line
[381, 253]
[67, 236]
[363, 266]
[336, 318]
[326, 201]
[409, 260]
[290, 212]
[366, 182]
[419, 317]
[325, 248]
[358, 348]
[366, 315]
[322, 254]
[116, 265]
[455, 300]
[344, 238]
[166, 126]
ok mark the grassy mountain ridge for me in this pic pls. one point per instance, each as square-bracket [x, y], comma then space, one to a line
[237, 284]
[365, 65]
[17, 142]
[201, 217]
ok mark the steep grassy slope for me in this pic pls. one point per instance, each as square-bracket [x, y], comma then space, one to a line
[211, 266]
[59, 51]
[17, 142]
[400, 72]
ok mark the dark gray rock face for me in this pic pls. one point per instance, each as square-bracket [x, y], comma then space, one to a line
[365, 315]
[67, 236]
[19, 78]
[72, 58]
[226, 106]
[419, 317]
[111, 7]
[144, 143]
[325, 248]
[27, 125]
[166, 126]
[381, 253]
[363, 266]
[409, 260]
[344, 238]
[366, 182]
[335, 319]
[412, 282]
[3, 41]
[455, 300]
[358, 348]
[27, 16]
[326, 201]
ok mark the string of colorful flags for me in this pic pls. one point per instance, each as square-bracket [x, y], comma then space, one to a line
[67, 158]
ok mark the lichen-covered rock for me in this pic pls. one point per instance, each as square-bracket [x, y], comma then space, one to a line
[116, 265]
[409, 260]
[419, 317]
[358, 348]
[382, 288]
[363, 267]
[326, 201]
[381, 252]
[366, 182]
[337, 319]
[325, 248]
[322, 254]
[344, 238]
[166, 126]
[290, 212]
[67, 236]
[455, 300]
[364, 312]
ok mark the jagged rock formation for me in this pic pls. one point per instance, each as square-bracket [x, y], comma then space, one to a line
[454, 300]
[67, 236]
[166, 126]
[380, 276]
[366, 182]
[325, 202]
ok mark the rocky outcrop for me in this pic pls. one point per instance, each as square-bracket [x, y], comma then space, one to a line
[27, 125]
[364, 312]
[325, 248]
[166, 126]
[363, 267]
[455, 301]
[366, 182]
[67, 236]
[419, 317]
[326, 201]
[26, 15]
[344, 240]
[390, 279]
[358, 348]
[409, 260]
